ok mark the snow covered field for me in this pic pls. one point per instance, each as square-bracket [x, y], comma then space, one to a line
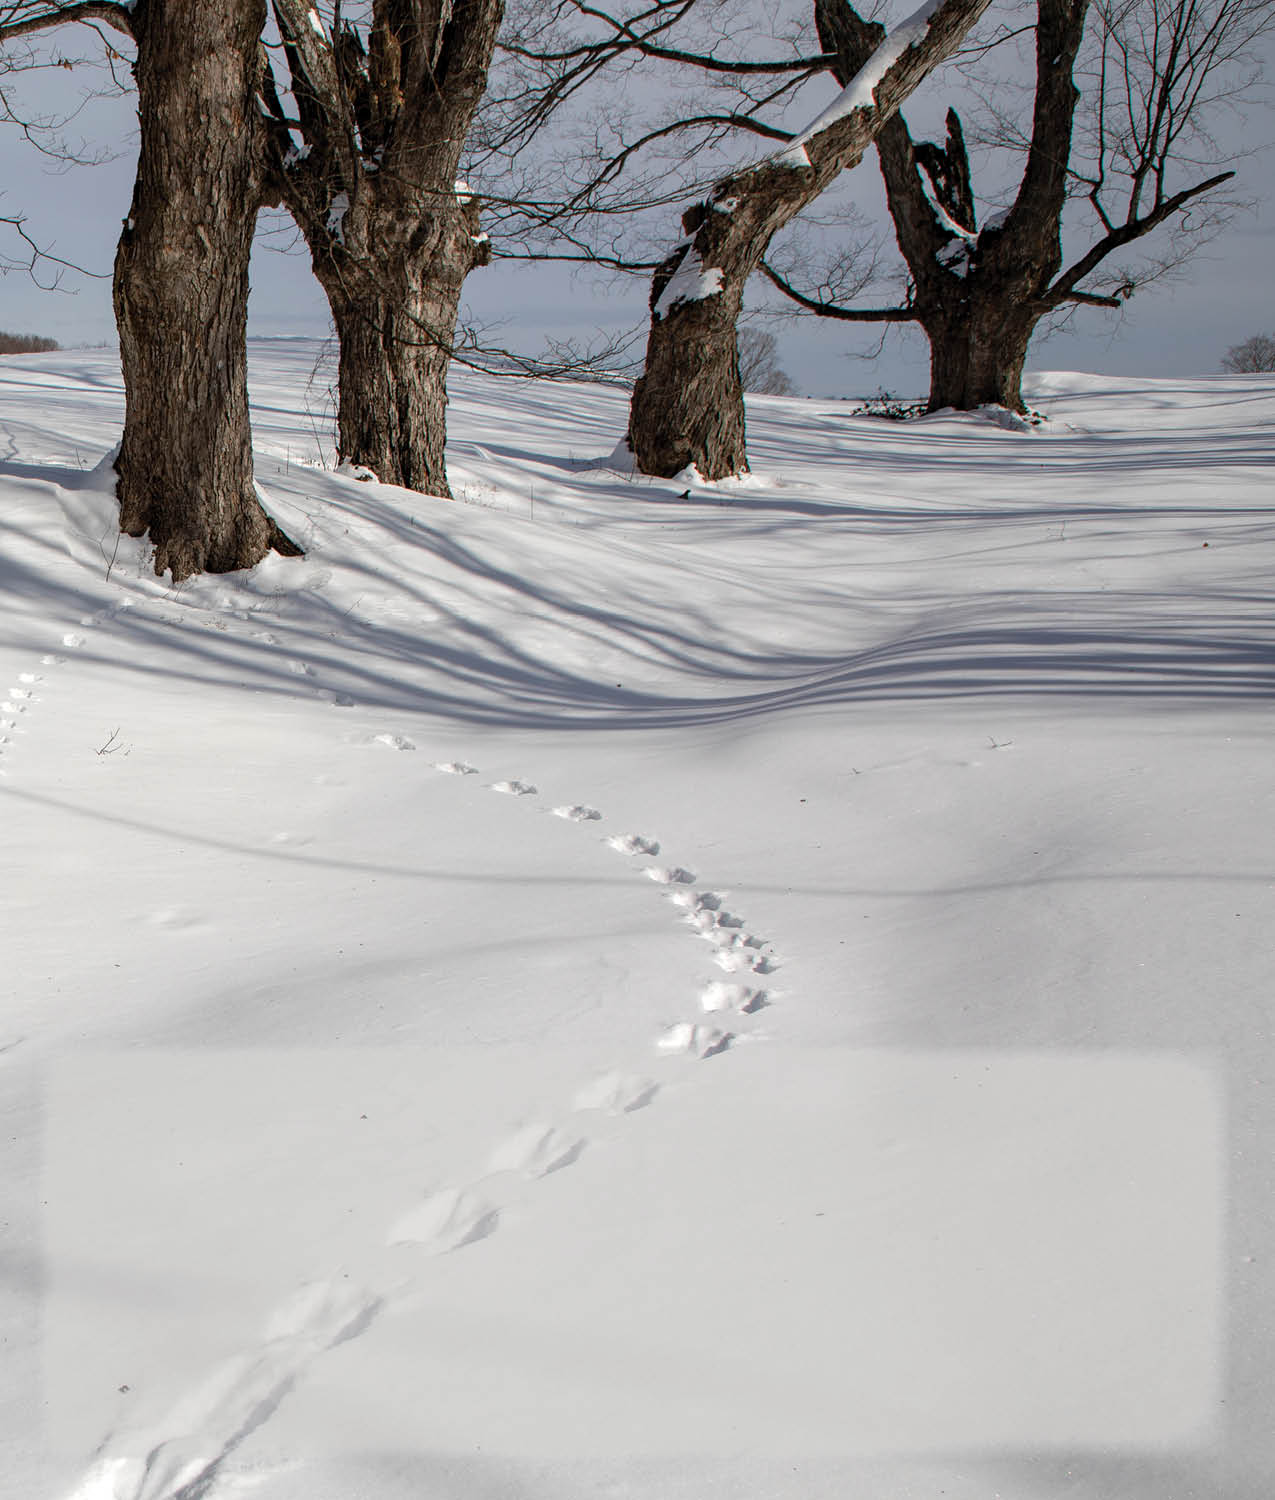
[596, 990]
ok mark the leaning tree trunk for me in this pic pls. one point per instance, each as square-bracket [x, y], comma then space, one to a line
[181, 291]
[688, 407]
[688, 403]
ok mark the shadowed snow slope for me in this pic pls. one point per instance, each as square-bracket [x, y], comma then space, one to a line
[644, 988]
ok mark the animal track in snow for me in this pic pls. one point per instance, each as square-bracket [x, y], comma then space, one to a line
[536, 1150]
[710, 923]
[514, 788]
[742, 961]
[700, 1041]
[445, 1221]
[578, 814]
[674, 876]
[178, 1458]
[632, 843]
[393, 741]
[298, 668]
[721, 994]
[695, 900]
[74, 640]
[616, 1093]
[455, 768]
[727, 941]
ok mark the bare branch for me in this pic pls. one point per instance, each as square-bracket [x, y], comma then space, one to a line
[905, 314]
[24, 19]
[1064, 288]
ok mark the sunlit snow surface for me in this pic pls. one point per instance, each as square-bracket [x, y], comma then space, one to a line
[835, 1066]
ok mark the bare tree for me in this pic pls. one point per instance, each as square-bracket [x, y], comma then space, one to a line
[181, 289]
[181, 277]
[687, 407]
[759, 367]
[1254, 356]
[1155, 72]
[368, 168]
[26, 343]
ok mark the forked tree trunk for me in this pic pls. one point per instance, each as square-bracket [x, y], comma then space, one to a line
[979, 297]
[384, 110]
[181, 291]
[688, 406]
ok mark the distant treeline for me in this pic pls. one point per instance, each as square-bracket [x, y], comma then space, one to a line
[26, 343]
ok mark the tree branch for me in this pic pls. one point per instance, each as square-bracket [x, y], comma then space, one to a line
[28, 18]
[832, 309]
[1123, 234]
[1092, 299]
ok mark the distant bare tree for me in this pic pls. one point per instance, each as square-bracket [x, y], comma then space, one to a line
[759, 368]
[26, 343]
[1254, 356]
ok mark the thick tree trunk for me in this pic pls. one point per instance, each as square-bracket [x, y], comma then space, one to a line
[688, 407]
[395, 317]
[977, 354]
[181, 291]
[392, 393]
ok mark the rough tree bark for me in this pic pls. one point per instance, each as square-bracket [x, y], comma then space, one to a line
[687, 406]
[392, 234]
[181, 290]
[979, 295]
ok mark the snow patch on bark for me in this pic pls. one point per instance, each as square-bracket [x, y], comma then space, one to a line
[336, 217]
[691, 282]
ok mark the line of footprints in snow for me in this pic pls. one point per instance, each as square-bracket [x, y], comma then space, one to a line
[453, 1217]
[182, 1452]
[22, 694]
